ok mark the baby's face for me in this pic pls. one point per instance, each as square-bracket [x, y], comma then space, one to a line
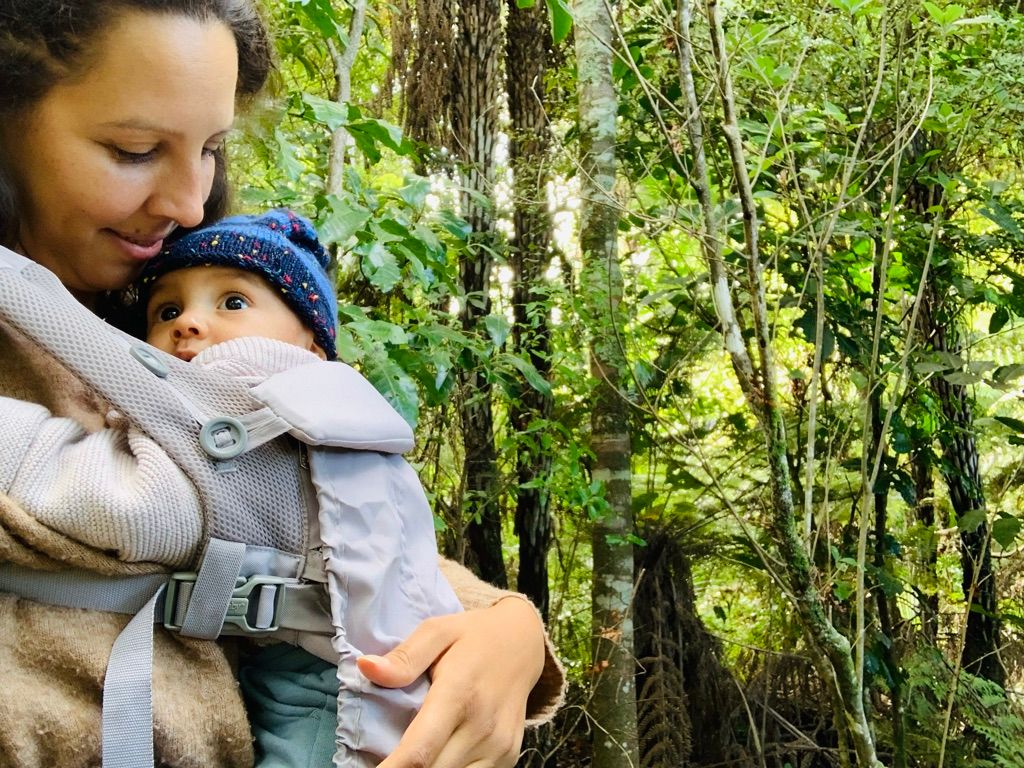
[194, 308]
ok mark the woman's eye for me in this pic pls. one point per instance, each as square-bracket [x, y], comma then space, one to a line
[235, 302]
[168, 313]
[127, 156]
[211, 151]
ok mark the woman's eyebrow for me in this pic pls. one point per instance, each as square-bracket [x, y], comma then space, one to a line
[141, 124]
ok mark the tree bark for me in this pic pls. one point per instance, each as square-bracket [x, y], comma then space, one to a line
[343, 62]
[526, 65]
[476, 86]
[980, 655]
[613, 703]
[960, 471]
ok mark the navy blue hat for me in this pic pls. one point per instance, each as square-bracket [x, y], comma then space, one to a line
[280, 246]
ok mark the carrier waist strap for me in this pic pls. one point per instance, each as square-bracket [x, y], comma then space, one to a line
[215, 601]
[259, 605]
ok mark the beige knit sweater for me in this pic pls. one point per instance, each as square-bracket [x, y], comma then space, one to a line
[53, 659]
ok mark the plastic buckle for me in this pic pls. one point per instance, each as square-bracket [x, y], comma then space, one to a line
[246, 606]
[247, 601]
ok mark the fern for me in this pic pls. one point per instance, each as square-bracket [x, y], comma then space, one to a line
[663, 726]
[986, 728]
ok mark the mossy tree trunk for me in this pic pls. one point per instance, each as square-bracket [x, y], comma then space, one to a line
[613, 701]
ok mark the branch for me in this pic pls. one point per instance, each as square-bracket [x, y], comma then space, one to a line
[343, 63]
[711, 238]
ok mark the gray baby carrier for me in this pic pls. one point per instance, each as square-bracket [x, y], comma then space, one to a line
[312, 443]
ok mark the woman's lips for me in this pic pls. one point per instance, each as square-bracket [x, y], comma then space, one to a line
[139, 248]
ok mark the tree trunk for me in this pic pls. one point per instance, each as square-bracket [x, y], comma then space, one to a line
[613, 703]
[529, 256]
[980, 654]
[924, 512]
[831, 655]
[476, 87]
[343, 62]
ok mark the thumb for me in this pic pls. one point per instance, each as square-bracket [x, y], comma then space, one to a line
[391, 671]
[413, 656]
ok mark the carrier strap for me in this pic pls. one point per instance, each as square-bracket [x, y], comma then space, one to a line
[212, 602]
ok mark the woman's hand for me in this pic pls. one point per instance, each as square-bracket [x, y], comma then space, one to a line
[483, 665]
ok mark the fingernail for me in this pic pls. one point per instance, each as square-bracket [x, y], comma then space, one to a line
[373, 659]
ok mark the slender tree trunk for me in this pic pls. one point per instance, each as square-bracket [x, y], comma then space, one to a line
[924, 511]
[526, 45]
[613, 704]
[963, 479]
[476, 87]
[886, 606]
[962, 475]
[831, 654]
[343, 61]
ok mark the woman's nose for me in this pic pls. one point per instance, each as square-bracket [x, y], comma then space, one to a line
[182, 192]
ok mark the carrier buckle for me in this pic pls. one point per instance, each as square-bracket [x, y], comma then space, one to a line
[254, 607]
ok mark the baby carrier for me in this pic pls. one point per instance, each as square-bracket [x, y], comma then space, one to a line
[318, 441]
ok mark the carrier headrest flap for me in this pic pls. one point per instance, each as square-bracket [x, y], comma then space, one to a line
[329, 403]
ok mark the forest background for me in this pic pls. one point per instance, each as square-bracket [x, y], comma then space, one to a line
[709, 319]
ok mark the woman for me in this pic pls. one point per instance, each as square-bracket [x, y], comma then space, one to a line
[114, 114]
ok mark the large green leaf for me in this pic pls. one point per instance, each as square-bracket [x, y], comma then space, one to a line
[561, 19]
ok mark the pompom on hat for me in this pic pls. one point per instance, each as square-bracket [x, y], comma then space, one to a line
[278, 245]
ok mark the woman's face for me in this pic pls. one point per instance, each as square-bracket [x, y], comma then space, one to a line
[111, 160]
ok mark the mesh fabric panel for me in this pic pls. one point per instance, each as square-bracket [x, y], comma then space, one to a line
[260, 503]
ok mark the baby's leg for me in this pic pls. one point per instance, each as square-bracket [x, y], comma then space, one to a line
[292, 700]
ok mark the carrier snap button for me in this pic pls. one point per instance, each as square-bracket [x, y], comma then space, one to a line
[148, 359]
[223, 438]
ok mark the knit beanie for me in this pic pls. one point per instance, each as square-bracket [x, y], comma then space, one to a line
[278, 245]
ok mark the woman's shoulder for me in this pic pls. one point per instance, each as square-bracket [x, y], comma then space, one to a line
[31, 374]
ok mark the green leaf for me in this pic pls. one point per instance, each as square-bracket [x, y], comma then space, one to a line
[498, 329]
[999, 318]
[1015, 424]
[962, 378]
[561, 20]
[414, 193]
[970, 522]
[328, 112]
[928, 367]
[342, 223]
[531, 374]
[287, 160]
[1005, 530]
[396, 385]
[380, 131]
[381, 267]
[998, 215]
[323, 17]
[455, 225]
[1004, 374]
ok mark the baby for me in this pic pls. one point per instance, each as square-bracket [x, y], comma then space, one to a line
[250, 296]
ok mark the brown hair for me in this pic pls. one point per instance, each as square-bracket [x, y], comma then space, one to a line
[42, 42]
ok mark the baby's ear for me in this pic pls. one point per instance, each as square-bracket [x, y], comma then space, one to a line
[316, 350]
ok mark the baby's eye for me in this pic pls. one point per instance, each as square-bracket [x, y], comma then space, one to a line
[236, 302]
[168, 312]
